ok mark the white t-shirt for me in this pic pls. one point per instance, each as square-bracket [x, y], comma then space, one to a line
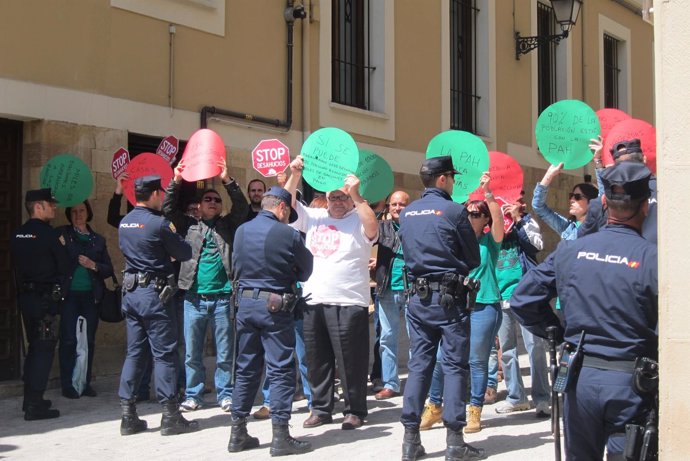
[341, 255]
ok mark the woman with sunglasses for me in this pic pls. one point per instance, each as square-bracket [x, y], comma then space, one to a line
[579, 203]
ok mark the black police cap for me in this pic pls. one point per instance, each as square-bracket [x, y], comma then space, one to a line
[284, 196]
[631, 146]
[146, 184]
[631, 177]
[437, 165]
[39, 195]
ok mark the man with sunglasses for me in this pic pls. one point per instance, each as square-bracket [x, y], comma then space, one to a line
[439, 244]
[207, 278]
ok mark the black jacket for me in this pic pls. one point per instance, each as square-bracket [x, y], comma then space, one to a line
[96, 250]
[388, 243]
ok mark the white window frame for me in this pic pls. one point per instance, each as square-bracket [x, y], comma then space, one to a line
[621, 33]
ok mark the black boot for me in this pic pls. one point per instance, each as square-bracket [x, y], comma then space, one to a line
[239, 438]
[34, 396]
[172, 421]
[131, 424]
[412, 445]
[35, 407]
[458, 450]
[42, 403]
[283, 444]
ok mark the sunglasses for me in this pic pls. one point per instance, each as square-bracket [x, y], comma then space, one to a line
[577, 197]
[475, 214]
[339, 198]
[213, 199]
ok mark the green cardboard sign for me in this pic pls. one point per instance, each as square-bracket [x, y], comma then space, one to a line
[329, 155]
[69, 179]
[470, 158]
[563, 132]
[375, 176]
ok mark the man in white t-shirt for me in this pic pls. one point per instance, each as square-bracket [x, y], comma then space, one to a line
[336, 320]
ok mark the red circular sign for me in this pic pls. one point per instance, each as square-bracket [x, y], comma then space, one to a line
[270, 157]
[146, 164]
[632, 129]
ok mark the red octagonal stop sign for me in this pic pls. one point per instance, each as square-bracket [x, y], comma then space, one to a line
[270, 157]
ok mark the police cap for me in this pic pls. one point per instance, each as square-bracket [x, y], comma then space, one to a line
[285, 197]
[146, 184]
[630, 180]
[436, 165]
[631, 146]
[39, 195]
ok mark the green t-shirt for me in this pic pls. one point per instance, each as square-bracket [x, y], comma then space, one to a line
[508, 268]
[486, 272]
[397, 265]
[211, 277]
[81, 279]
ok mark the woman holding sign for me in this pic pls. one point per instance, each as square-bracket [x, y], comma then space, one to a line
[579, 204]
[90, 265]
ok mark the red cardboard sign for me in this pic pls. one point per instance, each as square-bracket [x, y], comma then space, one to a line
[201, 156]
[168, 148]
[608, 118]
[632, 129]
[120, 162]
[270, 157]
[146, 164]
[506, 178]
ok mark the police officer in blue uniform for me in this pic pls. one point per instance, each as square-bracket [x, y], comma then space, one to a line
[148, 242]
[42, 266]
[440, 249]
[608, 287]
[268, 260]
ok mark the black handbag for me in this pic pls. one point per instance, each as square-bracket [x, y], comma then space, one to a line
[110, 307]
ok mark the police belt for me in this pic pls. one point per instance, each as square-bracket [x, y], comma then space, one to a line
[36, 287]
[144, 279]
[255, 293]
[437, 285]
[626, 366]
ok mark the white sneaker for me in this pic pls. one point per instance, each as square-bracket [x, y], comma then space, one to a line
[226, 404]
[543, 410]
[507, 407]
[189, 405]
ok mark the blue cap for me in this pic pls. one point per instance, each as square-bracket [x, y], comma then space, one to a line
[146, 184]
[436, 165]
[631, 146]
[39, 195]
[284, 196]
[631, 180]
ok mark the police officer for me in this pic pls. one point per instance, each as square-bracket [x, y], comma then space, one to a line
[148, 242]
[608, 287]
[268, 260]
[440, 247]
[41, 267]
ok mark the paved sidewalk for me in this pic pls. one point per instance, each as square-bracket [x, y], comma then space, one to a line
[88, 429]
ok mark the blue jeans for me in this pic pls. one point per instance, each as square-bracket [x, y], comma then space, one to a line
[485, 323]
[390, 304]
[199, 313]
[301, 353]
[536, 351]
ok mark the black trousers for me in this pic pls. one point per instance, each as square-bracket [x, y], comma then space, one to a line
[337, 335]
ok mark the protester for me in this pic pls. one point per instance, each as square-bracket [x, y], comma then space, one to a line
[90, 265]
[255, 191]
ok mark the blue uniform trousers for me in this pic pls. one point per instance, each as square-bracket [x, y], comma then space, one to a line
[262, 335]
[596, 412]
[153, 324]
[428, 323]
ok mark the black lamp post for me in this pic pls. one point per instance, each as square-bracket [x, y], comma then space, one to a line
[566, 12]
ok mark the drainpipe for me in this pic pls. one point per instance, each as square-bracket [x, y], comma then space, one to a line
[291, 13]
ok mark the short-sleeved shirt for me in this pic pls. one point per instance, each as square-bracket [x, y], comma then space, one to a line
[489, 292]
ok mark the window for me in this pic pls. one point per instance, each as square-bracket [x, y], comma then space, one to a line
[612, 71]
[351, 69]
[546, 72]
[463, 65]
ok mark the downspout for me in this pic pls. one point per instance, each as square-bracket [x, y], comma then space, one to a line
[291, 13]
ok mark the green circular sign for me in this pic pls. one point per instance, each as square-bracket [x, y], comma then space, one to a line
[470, 158]
[329, 155]
[375, 176]
[563, 132]
[69, 179]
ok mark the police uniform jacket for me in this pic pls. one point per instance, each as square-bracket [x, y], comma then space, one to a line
[194, 231]
[148, 241]
[437, 236]
[270, 255]
[39, 255]
[608, 287]
[96, 250]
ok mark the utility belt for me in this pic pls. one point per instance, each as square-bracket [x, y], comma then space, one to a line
[451, 288]
[275, 302]
[54, 290]
[165, 286]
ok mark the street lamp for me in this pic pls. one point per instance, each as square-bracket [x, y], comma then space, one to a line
[566, 12]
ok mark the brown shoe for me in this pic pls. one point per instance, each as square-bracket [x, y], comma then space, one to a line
[474, 419]
[262, 413]
[386, 394]
[432, 414]
[316, 420]
[351, 422]
[490, 396]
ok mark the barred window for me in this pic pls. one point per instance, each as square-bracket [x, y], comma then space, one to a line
[546, 67]
[612, 71]
[463, 65]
